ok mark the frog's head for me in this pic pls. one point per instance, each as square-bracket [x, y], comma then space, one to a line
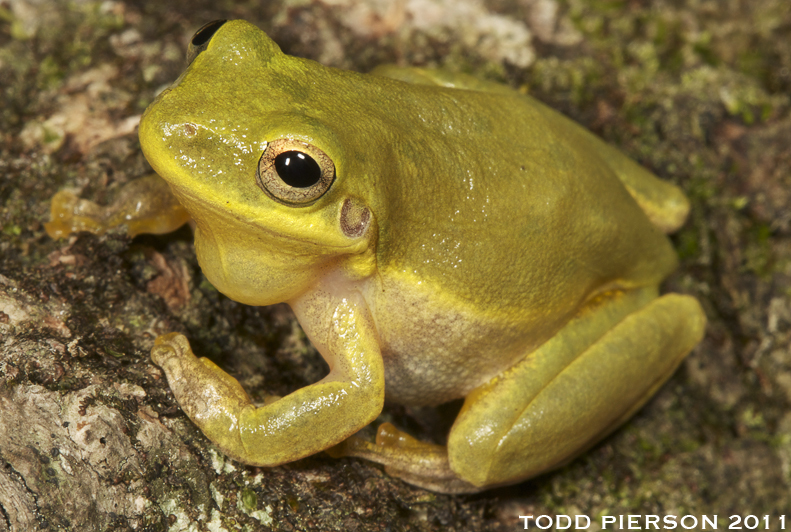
[247, 139]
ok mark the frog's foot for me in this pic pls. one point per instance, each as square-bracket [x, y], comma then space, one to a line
[284, 429]
[145, 205]
[555, 403]
[418, 463]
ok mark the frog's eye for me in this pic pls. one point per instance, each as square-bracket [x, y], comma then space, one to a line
[293, 172]
[200, 41]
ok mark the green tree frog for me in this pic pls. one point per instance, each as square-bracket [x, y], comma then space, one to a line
[437, 237]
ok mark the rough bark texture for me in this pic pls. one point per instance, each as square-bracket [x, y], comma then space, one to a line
[90, 437]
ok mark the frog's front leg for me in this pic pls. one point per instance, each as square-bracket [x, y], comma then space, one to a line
[300, 424]
[145, 205]
[556, 402]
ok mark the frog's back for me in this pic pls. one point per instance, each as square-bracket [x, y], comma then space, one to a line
[494, 198]
[663, 203]
[497, 221]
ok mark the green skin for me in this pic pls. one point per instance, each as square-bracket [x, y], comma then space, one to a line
[473, 243]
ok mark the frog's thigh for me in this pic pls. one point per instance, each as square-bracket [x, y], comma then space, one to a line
[300, 424]
[570, 392]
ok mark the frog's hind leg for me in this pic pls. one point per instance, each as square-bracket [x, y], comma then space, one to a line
[558, 401]
[664, 203]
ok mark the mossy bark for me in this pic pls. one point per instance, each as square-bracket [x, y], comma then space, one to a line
[90, 437]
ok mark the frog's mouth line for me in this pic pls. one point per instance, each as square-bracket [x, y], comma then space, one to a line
[228, 213]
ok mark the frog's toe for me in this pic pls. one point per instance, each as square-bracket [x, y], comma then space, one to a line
[144, 205]
[70, 214]
[351, 446]
[169, 347]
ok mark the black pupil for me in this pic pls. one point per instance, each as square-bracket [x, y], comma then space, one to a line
[203, 35]
[297, 169]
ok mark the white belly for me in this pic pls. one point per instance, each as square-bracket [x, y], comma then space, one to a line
[438, 348]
